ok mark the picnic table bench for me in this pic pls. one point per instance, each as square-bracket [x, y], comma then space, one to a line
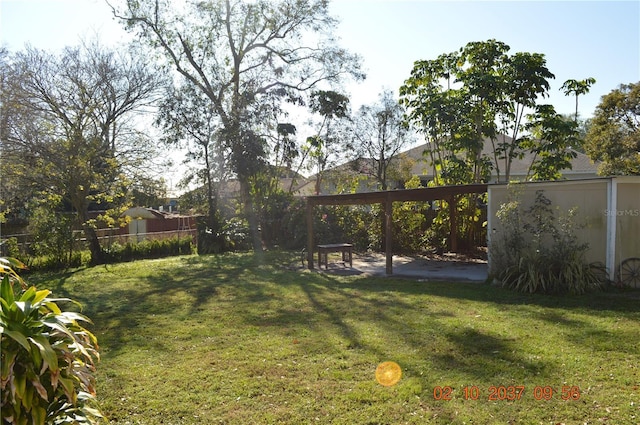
[345, 248]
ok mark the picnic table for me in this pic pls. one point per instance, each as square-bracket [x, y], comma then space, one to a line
[345, 248]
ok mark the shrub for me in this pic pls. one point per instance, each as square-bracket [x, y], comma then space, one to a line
[52, 233]
[294, 225]
[155, 248]
[9, 247]
[48, 358]
[236, 234]
[538, 253]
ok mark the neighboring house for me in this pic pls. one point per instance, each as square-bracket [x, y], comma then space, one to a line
[288, 181]
[418, 159]
[358, 175]
[581, 166]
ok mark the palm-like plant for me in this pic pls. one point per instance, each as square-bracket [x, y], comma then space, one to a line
[48, 358]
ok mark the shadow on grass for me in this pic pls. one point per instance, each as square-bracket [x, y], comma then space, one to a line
[263, 292]
[485, 357]
[594, 301]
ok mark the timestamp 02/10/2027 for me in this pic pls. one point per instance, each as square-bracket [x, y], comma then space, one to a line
[507, 393]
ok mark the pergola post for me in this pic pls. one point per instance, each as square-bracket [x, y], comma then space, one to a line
[453, 233]
[388, 232]
[309, 234]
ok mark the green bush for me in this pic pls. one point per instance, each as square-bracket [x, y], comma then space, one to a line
[44, 263]
[146, 249]
[48, 358]
[352, 224]
[293, 229]
[10, 247]
[538, 253]
[52, 236]
[236, 234]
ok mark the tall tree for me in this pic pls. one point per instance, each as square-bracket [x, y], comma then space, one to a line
[577, 88]
[239, 55]
[614, 134]
[379, 133]
[324, 145]
[187, 120]
[67, 133]
[551, 139]
[492, 94]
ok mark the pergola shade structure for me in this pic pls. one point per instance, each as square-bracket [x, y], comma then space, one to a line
[387, 198]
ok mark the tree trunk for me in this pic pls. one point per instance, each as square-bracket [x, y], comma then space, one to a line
[80, 204]
[97, 256]
[213, 219]
[254, 229]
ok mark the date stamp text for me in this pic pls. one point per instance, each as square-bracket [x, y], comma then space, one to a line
[507, 393]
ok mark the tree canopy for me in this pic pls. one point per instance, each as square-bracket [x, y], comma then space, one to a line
[66, 134]
[242, 56]
[478, 93]
[614, 134]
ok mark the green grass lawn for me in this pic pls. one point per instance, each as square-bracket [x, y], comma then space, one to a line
[237, 339]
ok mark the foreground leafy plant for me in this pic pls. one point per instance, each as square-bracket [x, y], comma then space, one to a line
[48, 358]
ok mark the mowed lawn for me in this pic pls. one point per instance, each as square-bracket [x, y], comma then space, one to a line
[242, 339]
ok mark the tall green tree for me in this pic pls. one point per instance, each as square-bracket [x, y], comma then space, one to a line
[325, 144]
[577, 88]
[241, 55]
[614, 134]
[67, 132]
[551, 139]
[479, 93]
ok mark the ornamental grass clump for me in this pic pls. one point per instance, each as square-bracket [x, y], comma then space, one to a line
[48, 358]
[538, 253]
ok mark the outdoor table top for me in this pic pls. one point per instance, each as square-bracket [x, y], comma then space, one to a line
[335, 245]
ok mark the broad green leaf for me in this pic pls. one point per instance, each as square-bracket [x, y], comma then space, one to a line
[4, 306]
[54, 323]
[73, 316]
[68, 300]
[27, 400]
[20, 382]
[13, 263]
[6, 290]
[47, 352]
[40, 295]
[69, 389]
[7, 363]
[28, 295]
[53, 307]
[39, 415]
[18, 337]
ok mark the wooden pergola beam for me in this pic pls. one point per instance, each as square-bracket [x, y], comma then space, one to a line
[387, 198]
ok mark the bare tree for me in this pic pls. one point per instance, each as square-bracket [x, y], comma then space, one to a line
[379, 134]
[68, 132]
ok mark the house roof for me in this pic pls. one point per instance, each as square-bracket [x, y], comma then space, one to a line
[581, 164]
[149, 213]
[231, 188]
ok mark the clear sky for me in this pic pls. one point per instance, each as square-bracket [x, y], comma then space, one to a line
[580, 39]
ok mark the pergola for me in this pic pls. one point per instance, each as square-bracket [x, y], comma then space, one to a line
[387, 198]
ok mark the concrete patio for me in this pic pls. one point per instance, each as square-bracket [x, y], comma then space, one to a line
[451, 267]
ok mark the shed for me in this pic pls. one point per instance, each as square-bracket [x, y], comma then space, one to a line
[609, 208]
[147, 222]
